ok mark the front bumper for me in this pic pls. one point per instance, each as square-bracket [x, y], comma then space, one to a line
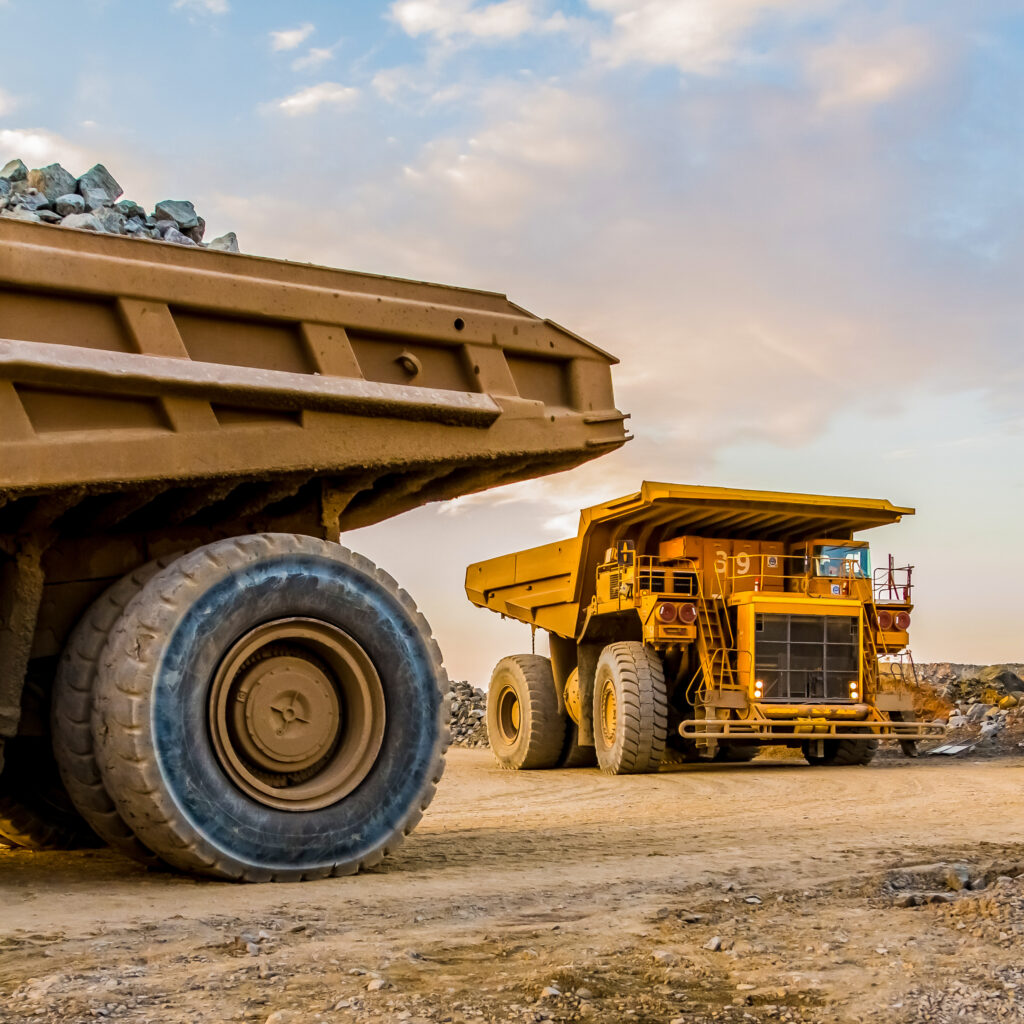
[816, 723]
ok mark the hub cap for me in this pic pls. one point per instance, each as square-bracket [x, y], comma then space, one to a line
[609, 713]
[296, 714]
[509, 714]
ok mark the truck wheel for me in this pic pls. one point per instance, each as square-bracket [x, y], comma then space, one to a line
[35, 811]
[736, 753]
[843, 752]
[630, 709]
[72, 714]
[525, 727]
[268, 708]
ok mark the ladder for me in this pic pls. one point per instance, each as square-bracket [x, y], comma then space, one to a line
[714, 646]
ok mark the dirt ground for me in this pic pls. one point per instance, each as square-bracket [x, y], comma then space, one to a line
[764, 892]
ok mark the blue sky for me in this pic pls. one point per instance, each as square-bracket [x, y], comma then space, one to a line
[797, 222]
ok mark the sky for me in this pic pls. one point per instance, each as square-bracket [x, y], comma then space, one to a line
[798, 223]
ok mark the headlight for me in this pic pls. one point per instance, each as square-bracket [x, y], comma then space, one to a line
[688, 614]
[665, 612]
[903, 621]
[884, 620]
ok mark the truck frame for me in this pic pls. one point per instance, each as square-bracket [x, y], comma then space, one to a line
[711, 620]
[192, 668]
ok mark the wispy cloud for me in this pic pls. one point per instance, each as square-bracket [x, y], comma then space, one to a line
[202, 6]
[309, 101]
[317, 56]
[37, 147]
[291, 38]
[7, 101]
[449, 19]
[851, 73]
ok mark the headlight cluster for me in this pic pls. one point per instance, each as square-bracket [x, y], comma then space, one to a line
[887, 620]
[684, 613]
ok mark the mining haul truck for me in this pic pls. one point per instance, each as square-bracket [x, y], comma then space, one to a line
[709, 621]
[192, 668]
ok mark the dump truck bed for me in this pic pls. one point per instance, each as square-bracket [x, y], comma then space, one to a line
[157, 383]
[550, 585]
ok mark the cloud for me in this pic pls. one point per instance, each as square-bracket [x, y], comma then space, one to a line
[316, 56]
[38, 147]
[449, 19]
[7, 101]
[848, 73]
[291, 38]
[309, 101]
[698, 36]
[202, 6]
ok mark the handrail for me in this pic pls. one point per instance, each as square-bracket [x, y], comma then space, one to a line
[886, 584]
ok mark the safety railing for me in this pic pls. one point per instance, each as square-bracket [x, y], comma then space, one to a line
[893, 583]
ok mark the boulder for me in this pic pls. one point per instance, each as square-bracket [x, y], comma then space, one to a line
[181, 211]
[21, 213]
[33, 199]
[225, 243]
[83, 221]
[14, 170]
[5, 188]
[174, 235]
[49, 217]
[69, 204]
[98, 187]
[196, 233]
[109, 220]
[52, 180]
[130, 209]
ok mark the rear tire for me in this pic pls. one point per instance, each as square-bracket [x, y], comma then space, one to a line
[269, 708]
[525, 727]
[71, 721]
[630, 709]
[840, 753]
[35, 810]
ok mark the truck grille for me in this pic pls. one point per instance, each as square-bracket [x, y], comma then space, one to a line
[807, 657]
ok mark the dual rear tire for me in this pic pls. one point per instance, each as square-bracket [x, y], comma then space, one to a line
[263, 708]
[528, 729]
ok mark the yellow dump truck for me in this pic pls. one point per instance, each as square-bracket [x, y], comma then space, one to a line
[192, 668]
[707, 620]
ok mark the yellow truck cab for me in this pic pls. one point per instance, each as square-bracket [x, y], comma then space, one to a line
[711, 621]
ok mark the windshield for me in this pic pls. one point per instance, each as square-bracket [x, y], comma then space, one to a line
[841, 560]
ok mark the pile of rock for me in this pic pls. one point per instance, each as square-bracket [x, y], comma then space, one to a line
[988, 702]
[52, 195]
[469, 713]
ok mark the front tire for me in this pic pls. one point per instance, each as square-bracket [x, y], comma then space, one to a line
[268, 708]
[630, 709]
[525, 727]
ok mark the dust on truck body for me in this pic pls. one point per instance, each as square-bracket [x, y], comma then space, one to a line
[184, 434]
[711, 620]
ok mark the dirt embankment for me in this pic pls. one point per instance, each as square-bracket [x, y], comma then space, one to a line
[769, 891]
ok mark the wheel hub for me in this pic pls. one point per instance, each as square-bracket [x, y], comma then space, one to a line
[510, 714]
[286, 713]
[296, 714]
[609, 713]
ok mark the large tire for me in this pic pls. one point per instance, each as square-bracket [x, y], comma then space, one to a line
[35, 811]
[71, 718]
[630, 709]
[840, 753]
[269, 708]
[525, 727]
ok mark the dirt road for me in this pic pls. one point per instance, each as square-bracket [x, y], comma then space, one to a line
[769, 891]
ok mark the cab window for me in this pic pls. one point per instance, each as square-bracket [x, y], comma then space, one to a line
[841, 560]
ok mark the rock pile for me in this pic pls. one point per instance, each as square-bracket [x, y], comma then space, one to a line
[52, 195]
[469, 713]
[988, 703]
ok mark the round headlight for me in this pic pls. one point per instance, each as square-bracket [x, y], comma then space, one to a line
[688, 614]
[903, 621]
[666, 612]
[884, 620]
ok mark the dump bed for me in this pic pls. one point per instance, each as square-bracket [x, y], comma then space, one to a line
[549, 586]
[155, 383]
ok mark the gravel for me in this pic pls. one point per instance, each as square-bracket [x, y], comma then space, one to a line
[92, 202]
[469, 715]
